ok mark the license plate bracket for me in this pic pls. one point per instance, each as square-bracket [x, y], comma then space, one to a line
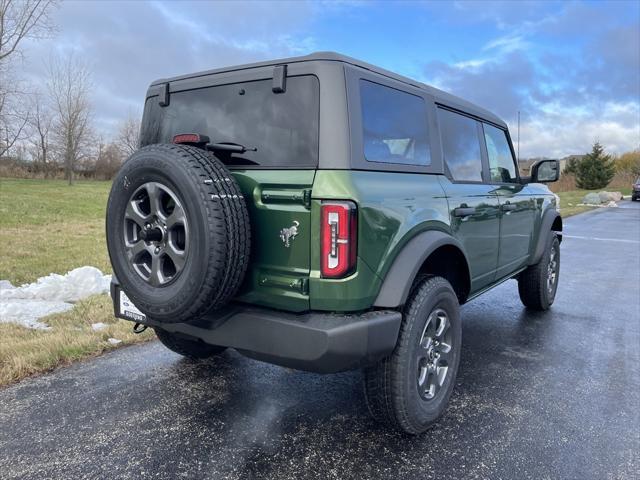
[126, 309]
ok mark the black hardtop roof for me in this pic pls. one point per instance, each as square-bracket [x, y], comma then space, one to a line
[439, 95]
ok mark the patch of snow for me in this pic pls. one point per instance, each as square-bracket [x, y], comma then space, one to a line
[611, 204]
[114, 341]
[99, 326]
[27, 312]
[71, 287]
[54, 293]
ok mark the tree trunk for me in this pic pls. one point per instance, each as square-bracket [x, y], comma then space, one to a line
[69, 168]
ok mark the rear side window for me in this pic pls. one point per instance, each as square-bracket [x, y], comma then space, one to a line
[460, 146]
[501, 164]
[394, 125]
[283, 127]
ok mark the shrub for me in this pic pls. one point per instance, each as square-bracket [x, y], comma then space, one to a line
[628, 164]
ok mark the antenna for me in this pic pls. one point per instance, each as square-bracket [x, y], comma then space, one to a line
[518, 153]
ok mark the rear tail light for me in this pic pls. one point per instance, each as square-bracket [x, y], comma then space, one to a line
[338, 239]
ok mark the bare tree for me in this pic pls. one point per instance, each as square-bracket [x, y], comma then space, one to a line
[14, 111]
[108, 161]
[69, 88]
[19, 20]
[129, 134]
[23, 19]
[41, 123]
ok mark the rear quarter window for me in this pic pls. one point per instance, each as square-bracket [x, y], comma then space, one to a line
[394, 125]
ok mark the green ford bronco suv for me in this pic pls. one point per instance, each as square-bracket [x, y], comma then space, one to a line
[324, 214]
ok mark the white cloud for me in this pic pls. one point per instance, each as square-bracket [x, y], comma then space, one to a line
[507, 44]
[470, 64]
[128, 45]
[556, 133]
[569, 97]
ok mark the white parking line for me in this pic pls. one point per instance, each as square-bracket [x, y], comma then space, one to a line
[619, 240]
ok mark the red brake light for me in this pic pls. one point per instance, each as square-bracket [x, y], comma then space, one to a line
[190, 138]
[338, 239]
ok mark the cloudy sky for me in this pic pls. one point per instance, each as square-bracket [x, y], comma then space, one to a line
[571, 68]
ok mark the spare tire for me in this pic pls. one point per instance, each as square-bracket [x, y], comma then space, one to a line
[178, 232]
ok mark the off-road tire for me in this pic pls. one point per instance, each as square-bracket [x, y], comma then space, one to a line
[391, 388]
[194, 349]
[219, 227]
[532, 283]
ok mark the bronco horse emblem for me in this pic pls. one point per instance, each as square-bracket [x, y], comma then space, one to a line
[290, 233]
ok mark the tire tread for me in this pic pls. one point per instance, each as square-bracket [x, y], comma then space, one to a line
[383, 382]
[532, 281]
[228, 226]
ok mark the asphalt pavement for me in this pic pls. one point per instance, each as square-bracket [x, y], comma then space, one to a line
[552, 395]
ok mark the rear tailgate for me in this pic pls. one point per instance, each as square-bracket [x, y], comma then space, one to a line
[279, 207]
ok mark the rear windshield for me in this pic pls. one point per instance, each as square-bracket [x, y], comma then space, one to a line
[283, 127]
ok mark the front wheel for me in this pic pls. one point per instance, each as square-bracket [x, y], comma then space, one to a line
[538, 284]
[410, 389]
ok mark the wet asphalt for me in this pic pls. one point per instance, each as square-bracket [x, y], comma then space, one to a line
[539, 395]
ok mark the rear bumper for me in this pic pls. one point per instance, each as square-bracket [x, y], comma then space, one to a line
[314, 341]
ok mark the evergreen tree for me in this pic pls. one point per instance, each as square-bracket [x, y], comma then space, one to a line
[572, 166]
[595, 170]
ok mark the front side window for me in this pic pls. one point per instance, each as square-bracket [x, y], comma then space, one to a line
[501, 164]
[394, 125]
[460, 146]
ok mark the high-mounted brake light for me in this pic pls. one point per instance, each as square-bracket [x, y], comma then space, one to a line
[191, 139]
[338, 239]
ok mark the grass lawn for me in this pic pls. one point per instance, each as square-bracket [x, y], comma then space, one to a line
[47, 227]
[569, 200]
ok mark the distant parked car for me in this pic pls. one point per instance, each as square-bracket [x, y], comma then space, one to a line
[635, 193]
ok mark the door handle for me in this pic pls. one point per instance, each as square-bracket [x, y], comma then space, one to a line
[464, 211]
[509, 207]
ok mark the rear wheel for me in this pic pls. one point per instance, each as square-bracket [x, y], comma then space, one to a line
[410, 389]
[538, 284]
[187, 347]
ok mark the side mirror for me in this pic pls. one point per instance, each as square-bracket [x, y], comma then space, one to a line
[545, 171]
